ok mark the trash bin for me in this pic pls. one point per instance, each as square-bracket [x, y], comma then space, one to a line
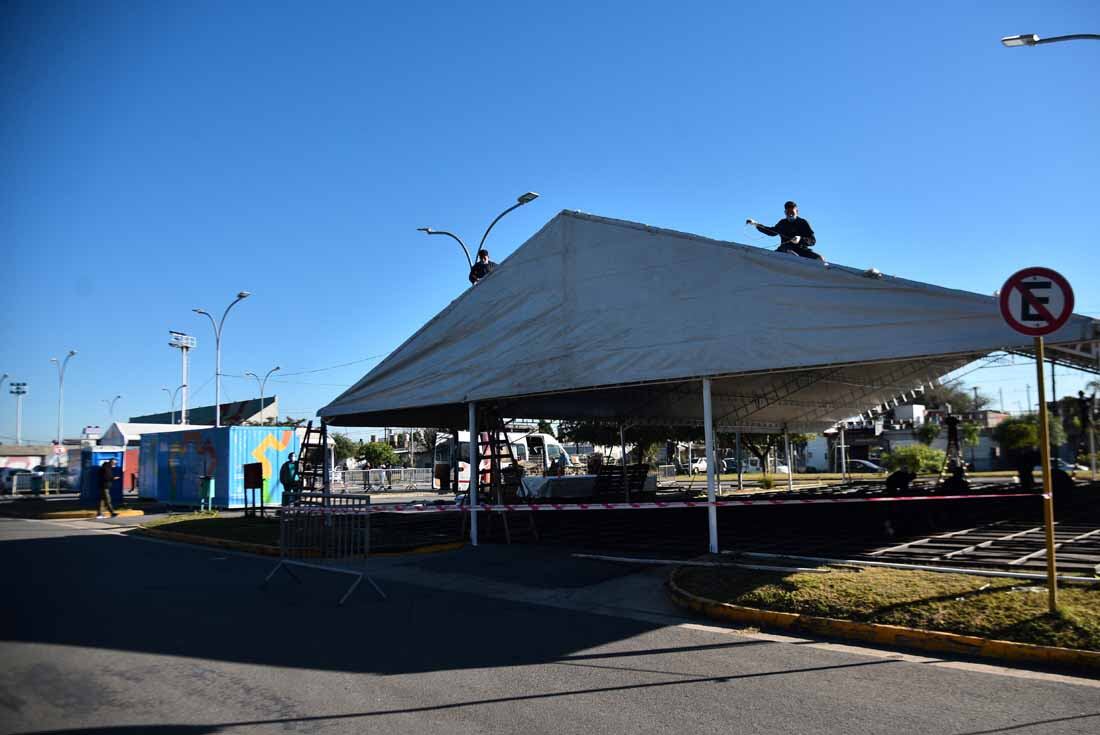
[206, 492]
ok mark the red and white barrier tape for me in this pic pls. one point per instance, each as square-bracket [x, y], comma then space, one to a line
[543, 507]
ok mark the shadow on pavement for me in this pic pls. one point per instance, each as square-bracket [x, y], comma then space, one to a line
[107, 591]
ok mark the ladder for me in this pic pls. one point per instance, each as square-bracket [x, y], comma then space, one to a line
[953, 472]
[311, 460]
[500, 480]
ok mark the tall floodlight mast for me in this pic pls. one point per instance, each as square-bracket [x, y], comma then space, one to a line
[184, 343]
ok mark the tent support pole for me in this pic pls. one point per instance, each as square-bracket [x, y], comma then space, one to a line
[708, 427]
[473, 473]
[740, 471]
[787, 449]
[843, 456]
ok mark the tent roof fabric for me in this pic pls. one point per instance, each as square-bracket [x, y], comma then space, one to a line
[595, 318]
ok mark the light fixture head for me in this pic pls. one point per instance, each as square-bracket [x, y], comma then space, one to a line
[527, 198]
[72, 352]
[1025, 39]
[244, 294]
[425, 230]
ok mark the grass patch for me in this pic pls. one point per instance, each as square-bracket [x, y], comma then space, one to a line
[246, 529]
[1002, 609]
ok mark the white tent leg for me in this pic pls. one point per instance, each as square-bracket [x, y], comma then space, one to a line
[787, 449]
[708, 427]
[473, 473]
[740, 471]
[843, 456]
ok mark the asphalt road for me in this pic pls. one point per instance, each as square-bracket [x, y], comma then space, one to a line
[107, 633]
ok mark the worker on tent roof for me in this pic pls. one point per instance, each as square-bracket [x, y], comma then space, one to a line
[482, 267]
[796, 235]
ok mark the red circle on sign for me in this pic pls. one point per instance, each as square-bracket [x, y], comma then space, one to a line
[1015, 281]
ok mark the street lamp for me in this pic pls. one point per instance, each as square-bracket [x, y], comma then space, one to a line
[18, 390]
[172, 404]
[60, 398]
[525, 198]
[218, 353]
[111, 405]
[1032, 39]
[262, 384]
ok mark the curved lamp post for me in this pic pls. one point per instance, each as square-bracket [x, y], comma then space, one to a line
[522, 199]
[262, 383]
[111, 405]
[172, 403]
[61, 365]
[241, 296]
[1032, 39]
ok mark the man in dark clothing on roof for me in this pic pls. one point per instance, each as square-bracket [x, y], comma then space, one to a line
[482, 267]
[796, 235]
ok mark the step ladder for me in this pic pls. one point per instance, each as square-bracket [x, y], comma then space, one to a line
[311, 459]
[499, 476]
[953, 473]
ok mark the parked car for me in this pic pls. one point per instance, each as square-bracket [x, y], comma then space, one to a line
[862, 465]
[699, 465]
[1061, 464]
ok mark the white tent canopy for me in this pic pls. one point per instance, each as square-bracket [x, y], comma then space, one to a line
[604, 319]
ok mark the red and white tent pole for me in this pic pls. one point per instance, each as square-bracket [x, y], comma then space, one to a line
[474, 478]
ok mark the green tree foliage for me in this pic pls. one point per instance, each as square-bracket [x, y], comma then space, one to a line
[288, 421]
[927, 433]
[545, 427]
[970, 433]
[343, 447]
[916, 458]
[378, 454]
[1021, 434]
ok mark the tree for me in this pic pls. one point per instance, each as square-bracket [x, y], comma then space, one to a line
[1020, 434]
[545, 427]
[916, 458]
[761, 445]
[928, 433]
[377, 454]
[344, 447]
[288, 421]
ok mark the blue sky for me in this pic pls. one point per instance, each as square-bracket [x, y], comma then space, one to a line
[161, 157]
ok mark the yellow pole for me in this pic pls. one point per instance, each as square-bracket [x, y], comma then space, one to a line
[1048, 488]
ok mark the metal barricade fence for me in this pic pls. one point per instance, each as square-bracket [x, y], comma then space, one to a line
[666, 473]
[316, 525]
[413, 478]
[22, 483]
[320, 526]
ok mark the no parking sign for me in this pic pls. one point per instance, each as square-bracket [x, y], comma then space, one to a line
[1036, 301]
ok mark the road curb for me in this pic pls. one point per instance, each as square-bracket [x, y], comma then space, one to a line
[69, 515]
[887, 635]
[266, 550]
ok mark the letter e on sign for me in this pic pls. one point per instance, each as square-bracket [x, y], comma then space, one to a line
[1036, 301]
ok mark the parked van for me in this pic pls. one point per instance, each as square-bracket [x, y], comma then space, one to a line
[535, 452]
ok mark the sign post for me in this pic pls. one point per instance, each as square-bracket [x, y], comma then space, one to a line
[1037, 302]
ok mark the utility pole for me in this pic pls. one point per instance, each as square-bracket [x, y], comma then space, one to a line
[184, 343]
[19, 390]
[1001, 393]
[1028, 386]
[61, 365]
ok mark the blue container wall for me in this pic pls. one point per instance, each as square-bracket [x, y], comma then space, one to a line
[147, 467]
[91, 459]
[184, 457]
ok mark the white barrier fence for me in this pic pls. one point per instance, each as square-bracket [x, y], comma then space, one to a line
[666, 473]
[413, 478]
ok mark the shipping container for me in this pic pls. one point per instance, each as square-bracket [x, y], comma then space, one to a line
[173, 463]
[91, 459]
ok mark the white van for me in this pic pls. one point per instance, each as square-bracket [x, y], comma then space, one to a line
[535, 452]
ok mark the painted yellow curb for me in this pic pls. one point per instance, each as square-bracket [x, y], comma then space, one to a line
[888, 635]
[70, 515]
[266, 550]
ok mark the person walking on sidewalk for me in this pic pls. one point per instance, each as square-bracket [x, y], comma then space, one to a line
[106, 479]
